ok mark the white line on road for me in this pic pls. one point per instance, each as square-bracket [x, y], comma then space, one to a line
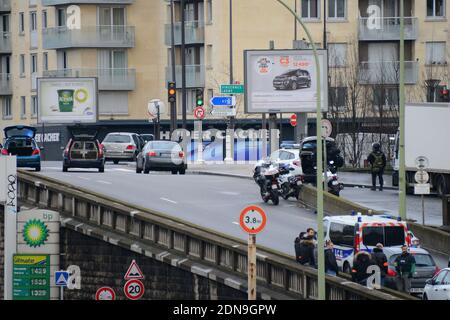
[234, 222]
[84, 178]
[229, 193]
[120, 169]
[168, 200]
[104, 182]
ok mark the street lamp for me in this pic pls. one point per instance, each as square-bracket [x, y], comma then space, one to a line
[319, 176]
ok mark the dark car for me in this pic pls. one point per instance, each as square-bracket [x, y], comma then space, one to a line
[20, 143]
[161, 155]
[147, 137]
[308, 157]
[84, 151]
[292, 80]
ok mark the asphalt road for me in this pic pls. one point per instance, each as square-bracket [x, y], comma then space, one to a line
[210, 201]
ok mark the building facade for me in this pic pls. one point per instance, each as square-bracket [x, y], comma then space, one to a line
[127, 45]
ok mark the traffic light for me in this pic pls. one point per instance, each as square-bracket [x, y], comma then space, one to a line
[199, 97]
[172, 92]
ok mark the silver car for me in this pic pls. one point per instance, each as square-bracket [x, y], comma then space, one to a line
[122, 146]
[161, 156]
[426, 268]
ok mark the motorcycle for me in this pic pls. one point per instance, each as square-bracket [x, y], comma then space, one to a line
[290, 180]
[333, 185]
[267, 179]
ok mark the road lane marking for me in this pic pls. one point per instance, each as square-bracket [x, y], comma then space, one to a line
[84, 178]
[104, 182]
[168, 200]
[234, 222]
[123, 170]
[229, 193]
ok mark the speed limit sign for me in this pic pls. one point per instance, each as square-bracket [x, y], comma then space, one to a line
[252, 219]
[134, 289]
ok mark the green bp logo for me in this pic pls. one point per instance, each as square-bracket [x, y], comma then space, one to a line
[35, 233]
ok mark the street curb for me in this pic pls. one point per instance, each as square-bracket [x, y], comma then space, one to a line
[352, 185]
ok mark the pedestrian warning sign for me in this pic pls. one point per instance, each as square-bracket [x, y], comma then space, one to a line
[133, 272]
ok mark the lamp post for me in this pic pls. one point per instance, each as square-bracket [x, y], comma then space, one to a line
[402, 172]
[173, 105]
[319, 177]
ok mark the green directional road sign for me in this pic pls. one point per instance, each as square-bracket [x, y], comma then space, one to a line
[31, 277]
[232, 89]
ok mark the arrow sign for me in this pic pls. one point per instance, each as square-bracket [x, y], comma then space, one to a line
[223, 101]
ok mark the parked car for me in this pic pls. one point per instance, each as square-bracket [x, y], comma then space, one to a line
[19, 142]
[147, 137]
[84, 151]
[426, 268]
[122, 146]
[161, 155]
[292, 80]
[438, 288]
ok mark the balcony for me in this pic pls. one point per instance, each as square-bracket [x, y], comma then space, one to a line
[387, 72]
[5, 84]
[108, 79]
[385, 29]
[195, 76]
[88, 37]
[194, 33]
[5, 5]
[5, 42]
[64, 2]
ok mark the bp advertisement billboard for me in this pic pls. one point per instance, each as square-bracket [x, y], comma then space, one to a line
[67, 100]
[284, 81]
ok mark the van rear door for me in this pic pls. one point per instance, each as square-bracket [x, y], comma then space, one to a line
[387, 235]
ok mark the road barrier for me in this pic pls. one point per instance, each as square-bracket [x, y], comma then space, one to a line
[432, 238]
[276, 272]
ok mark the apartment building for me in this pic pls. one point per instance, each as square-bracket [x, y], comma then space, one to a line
[127, 45]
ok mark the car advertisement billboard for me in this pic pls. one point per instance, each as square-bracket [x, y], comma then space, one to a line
[284, 81]
[67, 100]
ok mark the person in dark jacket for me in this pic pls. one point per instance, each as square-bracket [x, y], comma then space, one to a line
[331, 267]
[377, 160]
[405, 266]
[306, 252]
[381, 261]
[362, 261]
[297, 245]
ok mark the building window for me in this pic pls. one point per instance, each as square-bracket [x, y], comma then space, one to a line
[337, 9]
[33, 65]
[338, 97]
[435, 8]
[21, 23]
[44, 19]
[33, 106]
[33, 21]
[23, 107]
[337, 54]
[22, 65]
[61, 17]
[45, 61]
[435, 53]
[209, 13]
[385, 97]
[7, 110]
[209, 56]
[310, 9]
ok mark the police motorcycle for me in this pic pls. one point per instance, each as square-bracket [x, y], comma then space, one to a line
[334, 186]
[266, 176]
[290, 180]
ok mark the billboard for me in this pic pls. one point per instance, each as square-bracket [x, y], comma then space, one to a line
[284, 81]
[67, 100]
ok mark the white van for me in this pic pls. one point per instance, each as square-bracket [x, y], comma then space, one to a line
[357, 232]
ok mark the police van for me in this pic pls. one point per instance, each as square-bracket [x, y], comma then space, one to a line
[353, 233]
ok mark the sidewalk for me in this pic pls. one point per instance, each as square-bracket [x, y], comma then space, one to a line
[350, 179]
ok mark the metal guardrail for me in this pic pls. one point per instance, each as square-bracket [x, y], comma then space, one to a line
[194, 33]
[275, 270]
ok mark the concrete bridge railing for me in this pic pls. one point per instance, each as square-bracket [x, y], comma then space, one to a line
[276, 272]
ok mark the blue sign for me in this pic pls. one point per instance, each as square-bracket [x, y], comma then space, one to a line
[61, 278]
[225, 101]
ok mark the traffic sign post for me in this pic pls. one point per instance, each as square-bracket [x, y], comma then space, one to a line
[105, 293]
[293, 120]
[327, 129]
[232, 89]
[199, 113]
[61, 279]
[134, 289]
[422, 187]
[133, 272]
[252, 220]
[223, 101]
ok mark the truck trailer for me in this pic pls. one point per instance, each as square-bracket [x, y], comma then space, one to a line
[427, 134]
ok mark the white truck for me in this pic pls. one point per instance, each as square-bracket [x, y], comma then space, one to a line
[427, 133]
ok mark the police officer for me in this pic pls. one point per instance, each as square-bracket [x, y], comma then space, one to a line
[405, 266]
[377, 160]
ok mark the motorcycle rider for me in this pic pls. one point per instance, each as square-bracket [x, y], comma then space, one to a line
[377, 160]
